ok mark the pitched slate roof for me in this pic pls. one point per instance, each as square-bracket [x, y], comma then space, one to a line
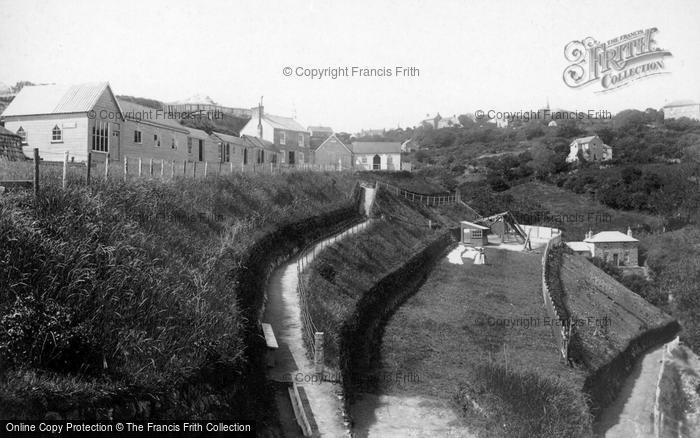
[150, 116]
[278, 122]
[376, 147]
[55, 99]
[259, 143]
[610, 236]
[331, 138]
[229, 139]
[198, 133]
[5, 131]
[585, 139]
[320, 128]
[579, 246]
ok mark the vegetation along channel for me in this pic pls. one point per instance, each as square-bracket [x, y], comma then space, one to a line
[507, 285]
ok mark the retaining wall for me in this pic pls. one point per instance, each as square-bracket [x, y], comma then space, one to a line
[361, 333]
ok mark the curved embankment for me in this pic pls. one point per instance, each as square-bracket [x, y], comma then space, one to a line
[612, 327]
[259, 262]
[292, 363]
[361, 334]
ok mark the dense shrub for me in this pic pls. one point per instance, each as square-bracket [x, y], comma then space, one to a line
[507, 402]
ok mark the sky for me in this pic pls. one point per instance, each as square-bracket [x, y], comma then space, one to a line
[488, 55]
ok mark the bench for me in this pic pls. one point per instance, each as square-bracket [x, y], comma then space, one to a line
[271, 342]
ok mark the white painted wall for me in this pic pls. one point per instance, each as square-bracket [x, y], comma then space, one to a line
[39, 135]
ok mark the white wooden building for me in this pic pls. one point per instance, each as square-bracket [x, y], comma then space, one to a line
[375, 155]
[60, 118]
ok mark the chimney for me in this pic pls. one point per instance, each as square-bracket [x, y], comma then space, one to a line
[629, 231]
[260, 115]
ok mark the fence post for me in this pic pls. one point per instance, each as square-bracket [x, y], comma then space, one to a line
[194, 169]
[150, 168]
[162, 167]
[231, 166]
[89, 166]
[126, 168]
[172, 169]
[140, 167]
[318, 352]
[206, 165]
[106, 167]
[184, 168]
[36, 172]
[65, 171]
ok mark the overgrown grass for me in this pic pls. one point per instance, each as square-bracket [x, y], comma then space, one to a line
[128, 284]
[499, 402]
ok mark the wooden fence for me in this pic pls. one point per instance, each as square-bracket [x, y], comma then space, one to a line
[16, 174]
[307, 254]
[429, 200]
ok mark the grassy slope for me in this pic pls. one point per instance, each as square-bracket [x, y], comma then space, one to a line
[585, 212]
[134, 276]
[344, 271]
[609, 315]
[451, 335]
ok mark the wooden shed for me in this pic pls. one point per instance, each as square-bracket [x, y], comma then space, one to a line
[474, 234]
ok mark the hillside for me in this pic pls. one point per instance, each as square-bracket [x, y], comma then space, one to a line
[576, 214]
[224, 123]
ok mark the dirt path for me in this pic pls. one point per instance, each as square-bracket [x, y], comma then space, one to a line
[406, 417]
[632, 413]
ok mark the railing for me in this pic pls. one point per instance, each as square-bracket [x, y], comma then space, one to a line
[308, 253]
[565, 332]
[430, 200]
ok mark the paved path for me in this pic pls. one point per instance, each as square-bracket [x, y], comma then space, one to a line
[631, 415]
[292, 363]
[388, 416]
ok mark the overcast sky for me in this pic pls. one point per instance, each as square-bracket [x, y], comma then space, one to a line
[507, 56]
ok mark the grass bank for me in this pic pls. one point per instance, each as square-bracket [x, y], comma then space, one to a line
[117, 291]
[477, 336]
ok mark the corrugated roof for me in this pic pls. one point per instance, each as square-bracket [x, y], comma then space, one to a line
[55, 99]
[376, 147]
[610, 236]
[150, 116]
[229, 139]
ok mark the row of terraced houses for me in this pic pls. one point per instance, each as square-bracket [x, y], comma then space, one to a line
[89, 118]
